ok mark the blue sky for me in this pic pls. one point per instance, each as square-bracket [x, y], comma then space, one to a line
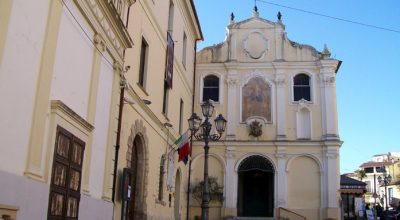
[367, 83]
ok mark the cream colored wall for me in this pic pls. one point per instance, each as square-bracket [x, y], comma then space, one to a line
[304, 183]
[101, 133]
[315, 172]
[18, 78]
[73, 71]
[149, 19]
[269, 73]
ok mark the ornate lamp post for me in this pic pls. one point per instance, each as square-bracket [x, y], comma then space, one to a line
[385, 181]
[207, 109]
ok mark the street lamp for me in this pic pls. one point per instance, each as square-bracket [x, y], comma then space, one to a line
[385, 181]
[207, 108]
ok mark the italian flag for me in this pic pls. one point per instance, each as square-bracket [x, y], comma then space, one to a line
[183, 147]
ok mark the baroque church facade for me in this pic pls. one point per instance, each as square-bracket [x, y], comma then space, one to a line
[279, 156]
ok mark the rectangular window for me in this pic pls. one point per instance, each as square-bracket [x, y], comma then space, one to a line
[66, 176]
[165, 99]
[184, 49]
[181, 117]
[390, 198]
[144, 50]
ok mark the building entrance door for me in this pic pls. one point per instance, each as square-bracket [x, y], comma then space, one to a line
[256, 188]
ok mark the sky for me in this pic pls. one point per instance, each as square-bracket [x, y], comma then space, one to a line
[368, 102]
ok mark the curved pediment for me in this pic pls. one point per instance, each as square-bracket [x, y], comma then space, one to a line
[257, 40]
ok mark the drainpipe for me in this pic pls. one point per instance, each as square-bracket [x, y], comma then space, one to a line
[191, 139]
[117, 143]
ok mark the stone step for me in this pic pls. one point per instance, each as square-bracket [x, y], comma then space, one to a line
[253, 218]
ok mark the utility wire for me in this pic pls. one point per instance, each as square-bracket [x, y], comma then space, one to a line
[86, 34]
[331, 17]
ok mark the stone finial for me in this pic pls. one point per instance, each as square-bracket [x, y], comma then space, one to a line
[255, 12]
[325, 52]
[279, 15]
[232, 18]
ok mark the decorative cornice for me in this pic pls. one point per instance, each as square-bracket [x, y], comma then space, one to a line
[57, 105]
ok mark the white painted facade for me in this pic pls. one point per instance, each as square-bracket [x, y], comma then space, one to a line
[300, 140]
[59, 67]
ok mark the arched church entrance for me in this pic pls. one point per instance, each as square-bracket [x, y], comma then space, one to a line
[256, 187]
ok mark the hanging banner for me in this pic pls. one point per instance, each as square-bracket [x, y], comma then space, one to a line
[170, 175]
[169, 69]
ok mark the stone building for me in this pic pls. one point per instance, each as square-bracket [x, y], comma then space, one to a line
[60, 67]
[280, 151]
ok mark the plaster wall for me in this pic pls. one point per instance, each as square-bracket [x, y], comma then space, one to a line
[91, 208]
[100, 134]
[73, 71]
[18, 77]
[31, 197]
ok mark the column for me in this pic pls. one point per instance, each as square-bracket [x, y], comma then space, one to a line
[35, 164]
[231, 180]
[280, 81]
[281, 183]
[328, 99]
[332, 180]
[233, 105]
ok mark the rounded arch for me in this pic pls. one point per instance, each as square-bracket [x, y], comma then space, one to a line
[244, 157]
[256, 163]
[312, 84]
[316, 159]
[219, 158]
[138, 149]
[220, 76]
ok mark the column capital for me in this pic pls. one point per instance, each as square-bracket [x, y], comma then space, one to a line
[99, 42]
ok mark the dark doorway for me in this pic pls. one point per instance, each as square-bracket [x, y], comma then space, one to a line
[256, 188]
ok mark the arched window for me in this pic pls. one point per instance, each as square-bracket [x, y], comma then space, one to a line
[301, 87]
[211, 88]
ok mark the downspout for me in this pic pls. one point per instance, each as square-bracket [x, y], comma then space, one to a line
[117, 143]
[191, 139]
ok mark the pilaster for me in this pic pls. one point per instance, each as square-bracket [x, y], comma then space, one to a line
[331, 154]
[34, 165]
[232, 110]
[328, 99]
[281, 183]
[279, 28]
[230, 182]
[5, 12]
[232, 45]
[280, 81]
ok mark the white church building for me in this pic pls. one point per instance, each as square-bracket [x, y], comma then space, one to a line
[279, 155]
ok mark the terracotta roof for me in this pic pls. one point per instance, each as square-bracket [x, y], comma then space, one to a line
[375, 164]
